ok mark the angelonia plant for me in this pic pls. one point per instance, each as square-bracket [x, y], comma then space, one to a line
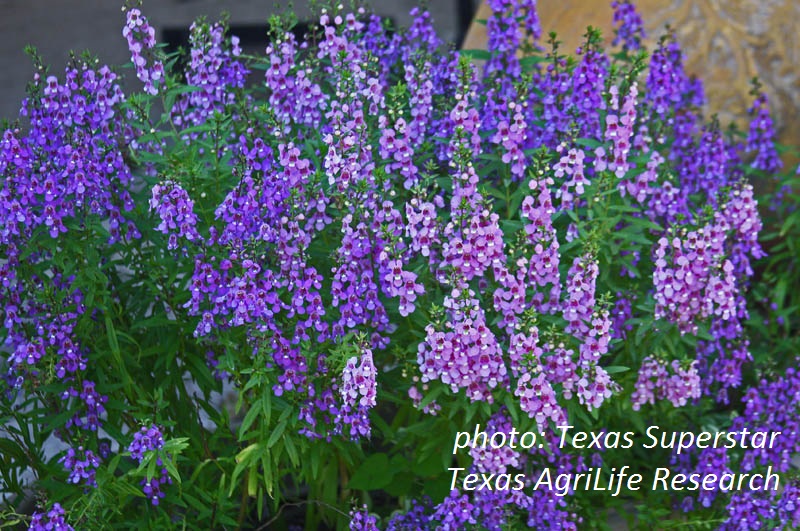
[274, 290]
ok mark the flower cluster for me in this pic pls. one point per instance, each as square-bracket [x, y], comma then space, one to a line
[769, 406]
[691, 278]
[64, 177]
[176, 211]
[145, 441]
[70, 164]
[361, 520]
[466, 354]
[52, 520]
[534, 389]
[81, 466]
[619, 130]
[141, 37]
[358, 389]
[761, 137]
[629, 25]
[655, 382]
[214, 70]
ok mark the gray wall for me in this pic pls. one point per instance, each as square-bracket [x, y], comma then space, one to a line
[57, 26]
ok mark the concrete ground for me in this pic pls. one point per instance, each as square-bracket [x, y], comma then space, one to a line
[57, 26]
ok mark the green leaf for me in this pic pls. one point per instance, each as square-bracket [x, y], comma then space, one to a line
[176, 445]
[276, 433]
[196, 504]
[252, 481]
[252, 415]
[266, 406]
[476, 55]
[374, 473]
[512, 408]
[429, 464]
[171, 469]
[430, 397]
[588, 142]
[532, 60]
[291, 450]
[243, 460]
[151, 467]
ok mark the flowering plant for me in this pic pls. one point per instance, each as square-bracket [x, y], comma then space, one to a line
[374, 246]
